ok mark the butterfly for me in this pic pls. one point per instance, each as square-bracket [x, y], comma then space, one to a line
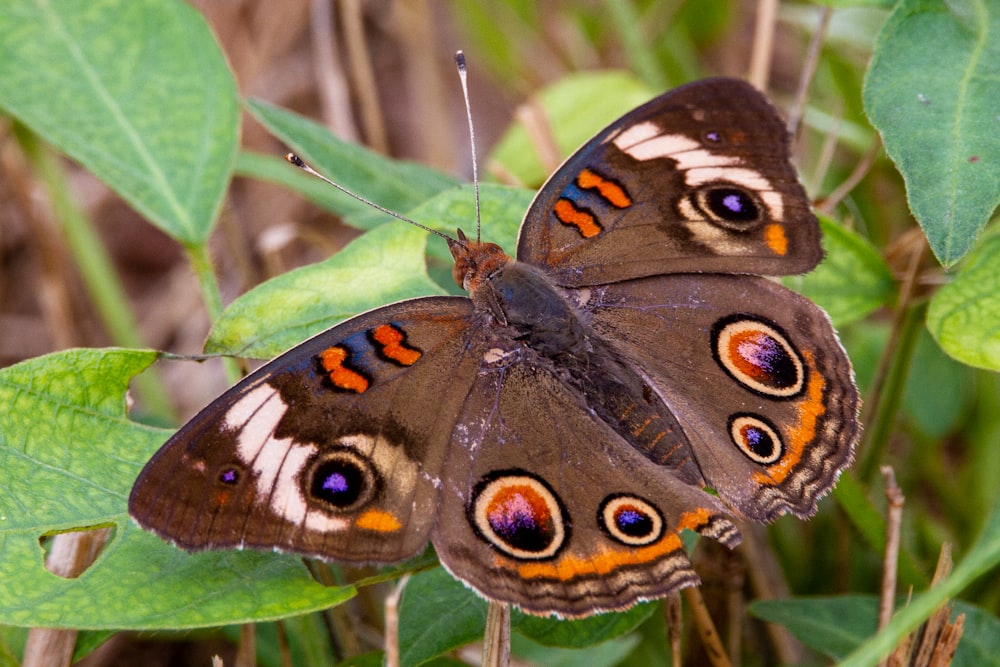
[628, 375]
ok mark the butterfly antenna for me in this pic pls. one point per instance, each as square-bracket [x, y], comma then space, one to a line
[463, 77]
[301, 164]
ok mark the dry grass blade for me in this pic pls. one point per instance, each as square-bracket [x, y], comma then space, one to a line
[808, 71]
[392, 623]
[768, 583]
[674, 620]
[891, 559]
[496, 648]
[71, 554]
[763, 43]
[934, 643]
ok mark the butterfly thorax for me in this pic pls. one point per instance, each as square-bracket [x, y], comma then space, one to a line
[538, 312]
[531, 312]
[521, 298]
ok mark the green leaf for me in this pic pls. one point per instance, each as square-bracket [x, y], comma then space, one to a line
[382, 266]
[501, 208]
[852, 281]
[67, 451]
[393, 184]
[937, 413]
[606, 654]
[437, 614]
[12, 640]
[89, 641]
[135, 90]
[833, 625]
[886, 4]
[141, 582]
[576, 108]
[980, 643]
[931, 91]
[69, 455]
[583, 632]
[373, 659]
[962, 315]
[301, 640]
[275, 169]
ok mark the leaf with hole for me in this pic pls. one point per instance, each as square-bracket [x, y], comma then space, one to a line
[69, 456]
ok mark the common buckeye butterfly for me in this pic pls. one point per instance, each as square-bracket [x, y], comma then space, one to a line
[554, 432]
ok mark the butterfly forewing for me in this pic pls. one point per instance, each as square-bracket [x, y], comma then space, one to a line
[333, 449]
[697, 180]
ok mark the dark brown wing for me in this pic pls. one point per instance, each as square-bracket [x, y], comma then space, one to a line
[549, 508]
[334, 449]
[755, 375]
[697, 180]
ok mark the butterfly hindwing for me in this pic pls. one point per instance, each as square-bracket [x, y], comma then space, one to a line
[555, 511]
[755, 375]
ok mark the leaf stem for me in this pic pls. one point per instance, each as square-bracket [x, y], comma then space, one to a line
[201, 263]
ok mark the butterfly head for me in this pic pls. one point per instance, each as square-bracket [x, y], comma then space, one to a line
[475, 261]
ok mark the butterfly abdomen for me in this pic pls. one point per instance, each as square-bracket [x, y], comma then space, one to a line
[546, 321]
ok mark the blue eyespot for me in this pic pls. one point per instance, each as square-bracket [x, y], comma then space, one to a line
[630, 520]
[731, 205]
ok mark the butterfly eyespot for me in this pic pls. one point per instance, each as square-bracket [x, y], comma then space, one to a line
[630, 520]
[712, 137]
[342, 480]
[519, 514]
[757, 438]
[230, 475]
[729, 206]
[758, 355]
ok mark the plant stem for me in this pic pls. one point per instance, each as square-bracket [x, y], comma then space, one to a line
[628, 25]
[103, 286]
[981, 558]
[883, 409]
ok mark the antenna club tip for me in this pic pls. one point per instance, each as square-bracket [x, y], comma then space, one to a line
[460, 59]
[295, 159]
